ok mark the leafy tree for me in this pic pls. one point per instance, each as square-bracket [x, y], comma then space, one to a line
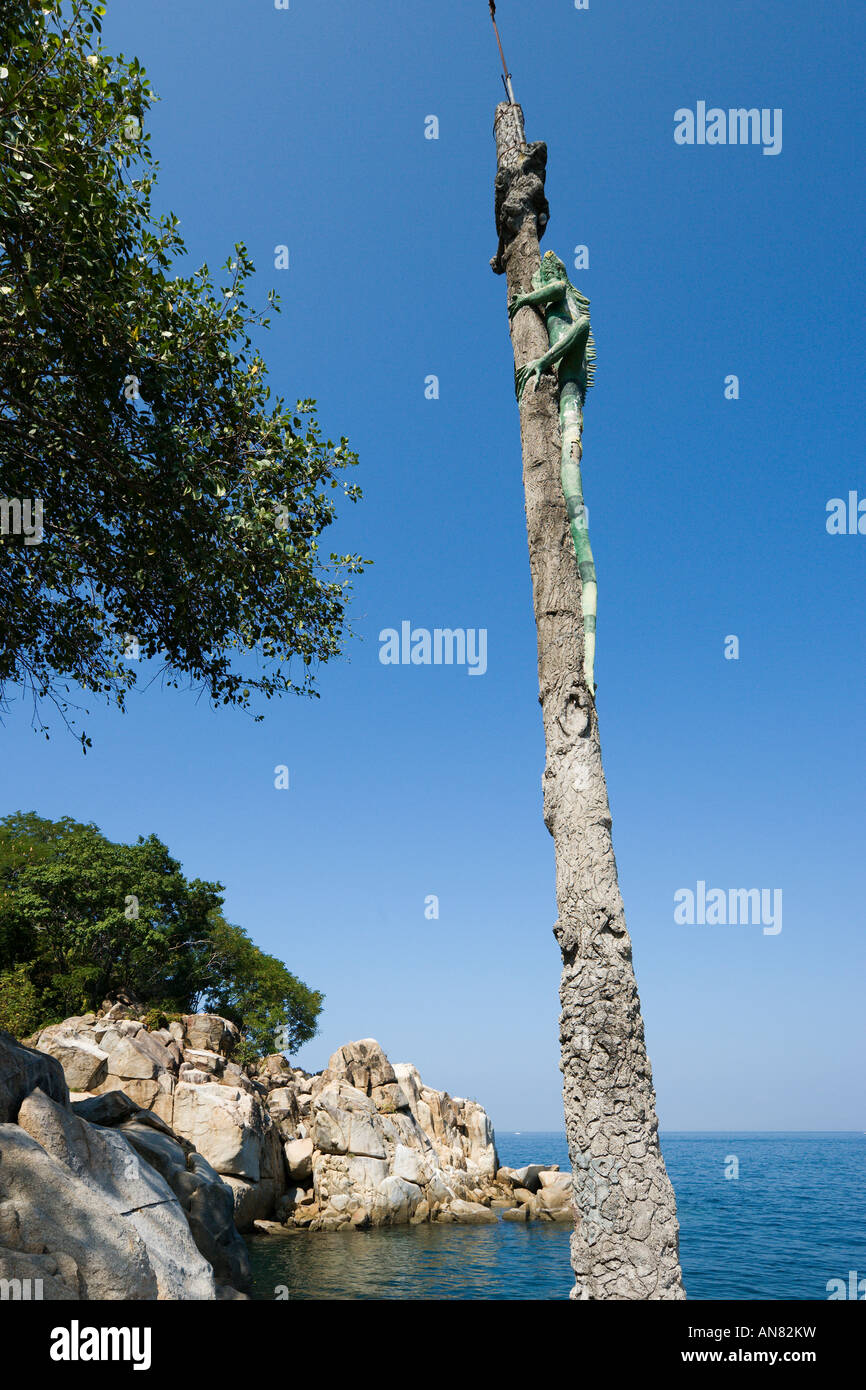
[273, 1008]
[182, 505]
[19, 1001]
[96, 917]
[83, 917]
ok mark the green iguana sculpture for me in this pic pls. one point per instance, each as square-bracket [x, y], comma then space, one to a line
[572, 349]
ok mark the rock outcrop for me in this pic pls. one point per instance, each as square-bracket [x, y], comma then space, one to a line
[99, 1198]
[363, 1143]
[131, 1158]
[366, 1143]
[22, 1070]
[107, 1167]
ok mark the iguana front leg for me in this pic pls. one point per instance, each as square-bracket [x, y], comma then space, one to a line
[572, 341]
[547, 294]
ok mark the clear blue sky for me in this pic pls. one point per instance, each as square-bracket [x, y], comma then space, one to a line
[306, 127]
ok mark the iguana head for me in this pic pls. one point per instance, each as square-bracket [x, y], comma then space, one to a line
[552, 268]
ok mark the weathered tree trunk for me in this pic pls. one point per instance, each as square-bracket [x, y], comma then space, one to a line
[625, 1245]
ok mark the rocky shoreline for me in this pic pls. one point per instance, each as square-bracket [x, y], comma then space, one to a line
[131, 1157]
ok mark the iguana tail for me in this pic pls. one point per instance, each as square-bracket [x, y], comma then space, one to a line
[570, 421]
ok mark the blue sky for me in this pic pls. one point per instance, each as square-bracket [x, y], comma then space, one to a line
[306, 127]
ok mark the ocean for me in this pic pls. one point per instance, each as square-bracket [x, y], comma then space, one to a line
[791, 1220]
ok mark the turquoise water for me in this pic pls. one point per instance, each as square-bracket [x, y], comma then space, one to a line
[794, 1218]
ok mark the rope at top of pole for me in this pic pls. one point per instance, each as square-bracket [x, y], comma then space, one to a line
[506, 79]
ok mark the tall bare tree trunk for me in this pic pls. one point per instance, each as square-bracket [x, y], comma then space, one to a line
[626, 1241]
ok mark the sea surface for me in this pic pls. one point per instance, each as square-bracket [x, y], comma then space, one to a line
[793, 1219]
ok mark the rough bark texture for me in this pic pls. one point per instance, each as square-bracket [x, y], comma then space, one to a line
[625, 1245]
